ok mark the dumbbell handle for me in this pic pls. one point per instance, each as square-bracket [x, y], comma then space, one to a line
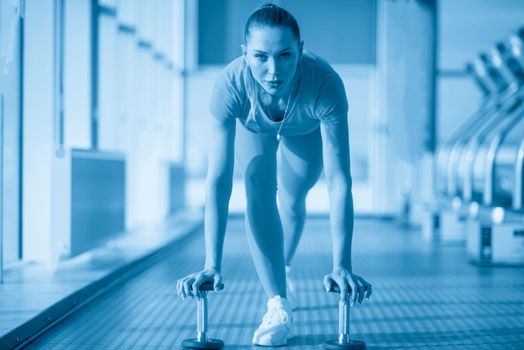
[209, 286]
[202, 318]
[202, 310]
[334, 288]
[343, 315]
[343, 320]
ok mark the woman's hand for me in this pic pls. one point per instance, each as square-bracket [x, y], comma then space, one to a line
[348, 283]
[188, 286]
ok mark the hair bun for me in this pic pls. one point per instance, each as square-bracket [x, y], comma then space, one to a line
[268, 5]
[271, 15]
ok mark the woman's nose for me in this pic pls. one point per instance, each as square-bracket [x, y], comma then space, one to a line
[272, 68]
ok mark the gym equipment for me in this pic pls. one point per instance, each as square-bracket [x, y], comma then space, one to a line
[461, 166]
[495, 234]
[466, 162]
[202, 341]
[480, 168]
[446, 219]
[458, 140]
[343, 342]
[503, 176]
[484, 158]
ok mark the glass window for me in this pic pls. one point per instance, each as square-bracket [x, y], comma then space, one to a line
[10, 117]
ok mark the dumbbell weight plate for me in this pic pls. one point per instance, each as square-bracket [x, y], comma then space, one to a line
[210, 344]
[335, 345]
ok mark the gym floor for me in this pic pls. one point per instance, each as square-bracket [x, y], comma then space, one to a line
[425, 296]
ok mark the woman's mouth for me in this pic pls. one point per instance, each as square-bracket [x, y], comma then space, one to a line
[274, 83]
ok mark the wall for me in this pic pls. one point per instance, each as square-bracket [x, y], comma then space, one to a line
[341, 31]
[403, 127]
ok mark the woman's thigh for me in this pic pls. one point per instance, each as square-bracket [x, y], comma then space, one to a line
[255, 155]
[299, 163]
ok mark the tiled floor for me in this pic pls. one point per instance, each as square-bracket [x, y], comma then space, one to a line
[426, 296]
[33, 291]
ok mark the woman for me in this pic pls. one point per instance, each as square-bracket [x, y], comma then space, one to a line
[287, 112]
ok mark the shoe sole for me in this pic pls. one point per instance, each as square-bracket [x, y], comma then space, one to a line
[289, 336]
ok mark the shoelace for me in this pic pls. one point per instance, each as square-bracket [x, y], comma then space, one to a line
[273, 313]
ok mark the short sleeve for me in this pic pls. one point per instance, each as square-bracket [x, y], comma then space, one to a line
[226, 103]
[332, 102]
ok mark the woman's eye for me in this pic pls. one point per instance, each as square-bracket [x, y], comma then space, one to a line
[261, 57]
[286, 55]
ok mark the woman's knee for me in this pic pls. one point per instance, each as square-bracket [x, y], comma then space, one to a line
[257, 185]
[292, 203]
[260, 179]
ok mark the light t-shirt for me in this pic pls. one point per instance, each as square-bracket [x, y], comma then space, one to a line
[320, 98]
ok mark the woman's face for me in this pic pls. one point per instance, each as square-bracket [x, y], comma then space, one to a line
[272, 53]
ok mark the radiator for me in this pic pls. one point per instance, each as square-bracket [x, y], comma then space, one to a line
[88, 200]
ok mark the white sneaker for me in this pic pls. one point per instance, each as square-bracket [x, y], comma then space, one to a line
[277, 325]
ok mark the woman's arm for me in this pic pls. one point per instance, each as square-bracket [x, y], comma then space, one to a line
[219, 183]
[335, 148]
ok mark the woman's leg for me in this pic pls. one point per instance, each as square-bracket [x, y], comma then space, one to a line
[300, 166]
[256, 157]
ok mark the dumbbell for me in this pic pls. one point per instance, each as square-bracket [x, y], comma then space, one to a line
[343, 342]
[202, 341]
